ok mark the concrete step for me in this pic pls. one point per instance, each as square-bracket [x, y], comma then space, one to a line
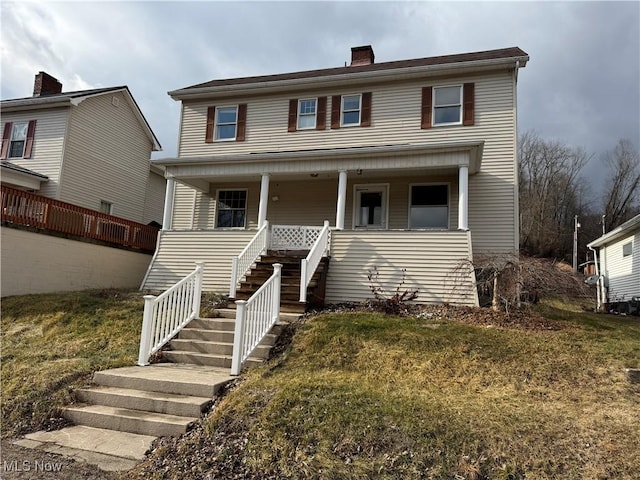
[126, 420]
[226, 323]
[193, 380]
[205, 359]
[169, 403]
[216, 348]
[206, 335]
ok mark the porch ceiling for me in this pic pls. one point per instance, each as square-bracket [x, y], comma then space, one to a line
[377, 161]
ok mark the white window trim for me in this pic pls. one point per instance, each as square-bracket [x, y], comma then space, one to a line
[216, 124]
[374, 187]
[105, 203]
[409, 205]
[246, 208]
[461, 105]
[342, 124]
[24, 144]
[630, 254]
[300, 114]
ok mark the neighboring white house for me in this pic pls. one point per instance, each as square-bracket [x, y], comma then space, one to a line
[91, 148]
[412, 162]
[618, 263]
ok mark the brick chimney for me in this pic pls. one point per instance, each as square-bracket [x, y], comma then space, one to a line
[362, 55]
[45, 84]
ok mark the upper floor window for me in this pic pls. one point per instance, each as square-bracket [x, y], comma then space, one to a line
[17, 139]
[627, 249]
[226, 123]
[307, 113]
[351, 110]
[351, 105]
[447, 105]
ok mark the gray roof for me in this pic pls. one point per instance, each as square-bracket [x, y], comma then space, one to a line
[64, 97]
[626, 228]
[16, 168]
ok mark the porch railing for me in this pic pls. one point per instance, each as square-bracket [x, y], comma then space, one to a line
[254, 319]
[165, 315]
[248, 256]
[309, 265]
[24, 208]
[293, 237]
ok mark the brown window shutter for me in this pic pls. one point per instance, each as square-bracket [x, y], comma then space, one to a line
[6, 140]
[321, 114]
[468, 101]
[31, 130]
[242, 122]
[211, 116]
[293, 115]
[335, 111]
[365, 117]
[427, 94]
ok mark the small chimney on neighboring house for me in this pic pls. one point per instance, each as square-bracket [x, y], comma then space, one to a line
[362, 55]
[45, 84]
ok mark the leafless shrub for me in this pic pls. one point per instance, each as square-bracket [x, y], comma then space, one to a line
[393, 303]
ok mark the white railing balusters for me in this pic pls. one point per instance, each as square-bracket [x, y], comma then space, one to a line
[255, 317]
[165, 315]
[309, 265]
[250, 253]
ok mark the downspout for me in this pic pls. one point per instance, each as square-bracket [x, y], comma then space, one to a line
[599, 283]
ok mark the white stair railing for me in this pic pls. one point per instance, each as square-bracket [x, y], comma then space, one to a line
[254, 319]
[309, 265]
[248, 256]
[166, 314]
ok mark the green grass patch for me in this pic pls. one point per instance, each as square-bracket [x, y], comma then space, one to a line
[53, 342]
[364, 395]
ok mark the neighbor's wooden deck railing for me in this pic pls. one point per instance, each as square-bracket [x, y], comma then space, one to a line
[28, 209]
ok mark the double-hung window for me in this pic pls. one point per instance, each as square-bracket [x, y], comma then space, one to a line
[231, 209]
[627, 249]
[307, 112]
[429, 206]
[447, 105]
[18, 140]
[351, 109]
[226, 123]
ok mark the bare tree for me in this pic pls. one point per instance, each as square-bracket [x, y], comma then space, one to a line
[550, 194]
[622, 191]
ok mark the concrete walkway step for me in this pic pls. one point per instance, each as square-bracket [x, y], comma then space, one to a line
[216, 348]
[126, 420]
[205, 359]
[180, 379]
[158, 402]
[109, 450]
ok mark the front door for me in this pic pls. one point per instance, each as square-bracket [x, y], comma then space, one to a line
[370, 208]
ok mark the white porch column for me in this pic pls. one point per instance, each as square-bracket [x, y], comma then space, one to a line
[264, 200]
[463, 197]
[169, 194]
[342, 199]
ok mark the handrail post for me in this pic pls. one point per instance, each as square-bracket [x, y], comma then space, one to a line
[197, 294]
[303, 280]
[326, 227]
[238, 337]
[277, 282]
[234, 277]
[145, 337]
[267, 237]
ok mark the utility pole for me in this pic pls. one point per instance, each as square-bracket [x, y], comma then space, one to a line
[603, 229]
[576, 226]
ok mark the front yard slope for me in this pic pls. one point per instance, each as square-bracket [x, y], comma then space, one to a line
[363, 395]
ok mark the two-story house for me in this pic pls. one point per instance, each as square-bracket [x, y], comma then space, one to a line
[411, 162]
[90, 148]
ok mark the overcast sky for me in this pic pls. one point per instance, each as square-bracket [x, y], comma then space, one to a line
[581, 86]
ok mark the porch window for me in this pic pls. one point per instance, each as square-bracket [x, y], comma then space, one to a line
[447, 105]
[231, 209]
[226, 122]
[18, 140]
[429, 206]
[106, 207]
[307, 114]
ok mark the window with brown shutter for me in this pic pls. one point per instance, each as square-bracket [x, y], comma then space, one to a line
[336, 100]
[242, 122]
[468, 100]
[321, 119]
[211, 115]
[365, 120]
[28, 148]
[293, 115]
[427, 94]
[6, 136]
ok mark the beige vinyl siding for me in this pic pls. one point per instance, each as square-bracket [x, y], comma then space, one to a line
[183, 203]
[48, 145]
[436, 264]
[178, 252]
[154, 198]
[395, 120]
[107, 157]
[622, 273]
